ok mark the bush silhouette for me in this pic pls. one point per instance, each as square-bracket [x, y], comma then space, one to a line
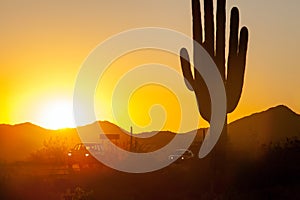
[54, 151]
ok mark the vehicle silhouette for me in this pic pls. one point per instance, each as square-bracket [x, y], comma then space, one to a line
[83, 154]
[180, 155]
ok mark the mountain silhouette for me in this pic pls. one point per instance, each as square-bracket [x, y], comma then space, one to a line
[271, 126]
[276, 124]
[17, 142]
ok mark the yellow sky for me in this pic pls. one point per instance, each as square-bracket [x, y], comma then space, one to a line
[44, 43]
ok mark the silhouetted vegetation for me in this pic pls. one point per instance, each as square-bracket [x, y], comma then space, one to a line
[77, 194]
[234, 77]
[274, 175]
[232, 73]
[54, 151]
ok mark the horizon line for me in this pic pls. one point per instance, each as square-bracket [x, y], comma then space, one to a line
[97, 121]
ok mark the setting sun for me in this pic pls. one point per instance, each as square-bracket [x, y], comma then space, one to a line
[57, 114]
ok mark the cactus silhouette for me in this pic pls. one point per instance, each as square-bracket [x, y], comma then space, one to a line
[236, 62]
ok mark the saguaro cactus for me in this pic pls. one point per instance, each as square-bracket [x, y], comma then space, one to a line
[234, 78]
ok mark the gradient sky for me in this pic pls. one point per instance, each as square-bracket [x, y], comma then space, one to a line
[44, 43]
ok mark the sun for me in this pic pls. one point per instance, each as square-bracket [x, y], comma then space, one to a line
[57, 114]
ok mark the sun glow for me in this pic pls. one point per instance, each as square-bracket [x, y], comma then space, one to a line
[57, 115]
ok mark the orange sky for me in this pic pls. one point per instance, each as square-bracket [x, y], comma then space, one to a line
[43, 44]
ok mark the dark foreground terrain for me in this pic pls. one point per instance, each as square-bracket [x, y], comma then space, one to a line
[262, 162]
[274, 175]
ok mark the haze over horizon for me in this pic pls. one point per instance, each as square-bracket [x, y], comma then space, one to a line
[277, 107]
[43, 45]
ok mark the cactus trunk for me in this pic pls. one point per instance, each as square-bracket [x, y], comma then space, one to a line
[236, 63]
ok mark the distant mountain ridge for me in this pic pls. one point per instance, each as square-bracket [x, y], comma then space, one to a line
[270, 126]
[245, 134]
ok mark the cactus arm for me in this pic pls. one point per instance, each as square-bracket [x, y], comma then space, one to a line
[197, 33]
[232, 68]
[197, 23]
[236, 62]
[243, 47]
[233, 38]
[209, 27]
[200, 88]
[203, 97]
[241, 65]
[220, 40]
[186, 69]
